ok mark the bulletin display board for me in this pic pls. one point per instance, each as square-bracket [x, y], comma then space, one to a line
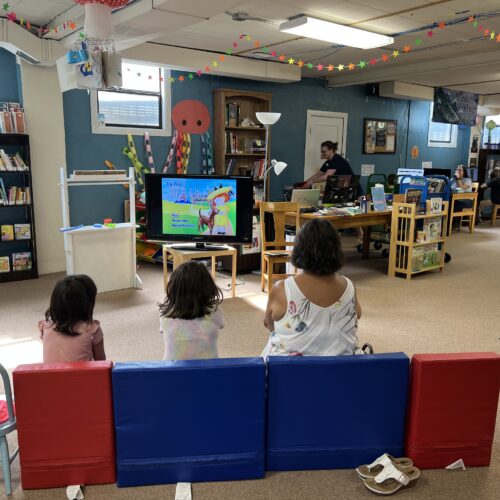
[379, 136]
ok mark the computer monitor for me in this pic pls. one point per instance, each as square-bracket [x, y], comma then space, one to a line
[340, 189]
[437, 171]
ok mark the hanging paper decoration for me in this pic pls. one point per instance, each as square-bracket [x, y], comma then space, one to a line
[131, 153]
[171, 151]
[149, 153]
[98, 17]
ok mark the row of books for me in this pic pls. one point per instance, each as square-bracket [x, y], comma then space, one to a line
[258, 194]
[232, 114]
[255, 145]
[14, 195]
[21, 261]
[249, 145]
[425, 256]
[436, 185]
[12, 118]
[431, 230]
[20, 231]
[12, 163]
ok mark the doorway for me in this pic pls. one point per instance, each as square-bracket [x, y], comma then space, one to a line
[323, 126]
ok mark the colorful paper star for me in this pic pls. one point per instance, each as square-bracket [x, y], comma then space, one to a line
[6, 7]
[171, 79]
[72, 25]
[320, 67]
[28, 26]
[291, 61]
[207, 69]
[190, 76]
[373, 62]
[340, 67]
[229, 52]
[441, 25]
[199, 72]
[475, 24]
[215, 64]
[385, 57]
[310, 66]
[395, 53]
[235, 44]
[256, 44]
[81, 34]
[480, 27]
[21, 21]
[498, 38]
[273, 53]
[265, 50]
[221, 58]
[430, 33]
[330, 67]
[406, 49]
[362, 64]
[486, 32]
[162, 79]
[350, 66]
[181, 78]
[471, 19]
[11, 16]
[492, 35]
[300, 64]
[282, 57]
[249, 37]
[418, 41]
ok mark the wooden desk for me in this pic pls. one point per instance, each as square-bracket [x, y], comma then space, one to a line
[366, 221]
[179, 256]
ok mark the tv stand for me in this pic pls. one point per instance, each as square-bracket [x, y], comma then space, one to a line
[199, 247]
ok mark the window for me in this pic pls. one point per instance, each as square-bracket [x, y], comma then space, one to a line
[441, 135]
[495, 133]
[142, 104]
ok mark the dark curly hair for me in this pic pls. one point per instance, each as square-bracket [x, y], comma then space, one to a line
[72, 301]
[317, 248]
[191, 292]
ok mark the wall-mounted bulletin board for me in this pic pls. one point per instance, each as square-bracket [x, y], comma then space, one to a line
[379, 136]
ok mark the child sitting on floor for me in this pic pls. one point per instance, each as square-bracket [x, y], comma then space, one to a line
[69, 333]
[190, 314]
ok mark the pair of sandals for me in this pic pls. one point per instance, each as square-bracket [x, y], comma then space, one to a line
[387, 474]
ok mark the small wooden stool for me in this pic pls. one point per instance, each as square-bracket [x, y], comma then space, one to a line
[494, 210]
[179, 256]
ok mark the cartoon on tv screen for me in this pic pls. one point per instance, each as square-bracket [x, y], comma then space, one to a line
[199, 206]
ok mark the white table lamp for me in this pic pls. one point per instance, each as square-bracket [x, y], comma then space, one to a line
[268, 119]
[278, 167]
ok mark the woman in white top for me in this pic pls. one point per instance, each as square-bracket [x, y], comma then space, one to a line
[316, 312]
[461, 183]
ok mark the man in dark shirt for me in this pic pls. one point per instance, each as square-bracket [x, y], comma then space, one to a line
[334, 164]
[494, 184]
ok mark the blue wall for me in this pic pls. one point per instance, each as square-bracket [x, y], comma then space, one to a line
[10, 77]
[85, 150]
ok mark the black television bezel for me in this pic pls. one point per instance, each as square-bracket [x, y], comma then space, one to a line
[244, 224]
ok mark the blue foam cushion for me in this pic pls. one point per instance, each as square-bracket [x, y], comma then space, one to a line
[188, 421]
[335, 412]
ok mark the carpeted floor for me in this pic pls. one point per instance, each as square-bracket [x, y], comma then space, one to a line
[453, 311]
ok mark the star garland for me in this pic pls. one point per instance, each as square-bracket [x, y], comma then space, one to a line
[11, 16]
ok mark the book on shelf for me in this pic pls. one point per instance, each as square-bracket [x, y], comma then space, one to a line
[413, 196]
[425, 256]
[378, 198]
[18, 122]
[436, 185]
[435, 205]
[21, 261]
[14, 195]
[432, 229]
[4, 264]
[7, 231]
[6, 162]
[6, 125]
[22, 231]
[232, 114]
[230, 166]
[4, 200]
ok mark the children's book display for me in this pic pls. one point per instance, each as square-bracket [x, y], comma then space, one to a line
[17, 220]
[417, 239]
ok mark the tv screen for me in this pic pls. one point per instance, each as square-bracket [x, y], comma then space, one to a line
[199, 208]
[454, 106]
[340, 189]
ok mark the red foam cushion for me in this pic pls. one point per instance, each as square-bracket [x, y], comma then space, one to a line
[452, 408]
[4, 412]
[65, 424]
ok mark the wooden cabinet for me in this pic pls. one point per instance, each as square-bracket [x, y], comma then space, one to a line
[17, 218]
[240, 149]
[409, 254]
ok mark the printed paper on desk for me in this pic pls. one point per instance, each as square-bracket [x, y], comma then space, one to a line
[367, 169]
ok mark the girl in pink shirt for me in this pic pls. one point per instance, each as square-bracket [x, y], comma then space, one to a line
[190, 315]
[68, 332]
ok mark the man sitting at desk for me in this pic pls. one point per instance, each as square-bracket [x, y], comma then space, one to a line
[334, 164]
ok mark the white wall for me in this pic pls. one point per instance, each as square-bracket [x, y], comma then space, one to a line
[43, 107]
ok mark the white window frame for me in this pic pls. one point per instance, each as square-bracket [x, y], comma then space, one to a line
[166, 100]
[434, 144]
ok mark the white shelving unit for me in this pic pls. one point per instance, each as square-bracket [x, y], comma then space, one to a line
[106, 254]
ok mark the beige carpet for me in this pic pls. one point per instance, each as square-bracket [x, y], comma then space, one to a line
[456, 310]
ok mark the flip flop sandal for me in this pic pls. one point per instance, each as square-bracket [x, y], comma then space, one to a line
[392, 479]
[373, 469]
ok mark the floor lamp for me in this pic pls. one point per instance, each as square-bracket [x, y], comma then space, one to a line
[267, 119]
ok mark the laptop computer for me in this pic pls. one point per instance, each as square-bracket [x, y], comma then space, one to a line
[306, 197]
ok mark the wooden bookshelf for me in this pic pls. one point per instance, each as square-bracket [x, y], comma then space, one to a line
[18, 213]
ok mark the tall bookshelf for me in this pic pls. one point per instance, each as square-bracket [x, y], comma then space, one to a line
[19, 212]
[243, 145]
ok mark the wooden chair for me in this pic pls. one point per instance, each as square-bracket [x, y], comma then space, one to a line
[470, 213]
[494, 210]
[276, 251]
[475, 187]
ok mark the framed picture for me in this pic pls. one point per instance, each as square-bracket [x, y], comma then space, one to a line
[379, 136]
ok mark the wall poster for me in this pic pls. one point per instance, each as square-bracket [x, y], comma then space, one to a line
[379, 136]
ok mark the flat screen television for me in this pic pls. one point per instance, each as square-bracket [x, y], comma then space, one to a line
[340, 189]
[199, 209]
[454, 106]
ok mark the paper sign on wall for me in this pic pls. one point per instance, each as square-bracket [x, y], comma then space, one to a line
[367, 169]
[427, 164]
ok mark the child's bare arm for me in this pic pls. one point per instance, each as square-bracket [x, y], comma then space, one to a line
[98, 351]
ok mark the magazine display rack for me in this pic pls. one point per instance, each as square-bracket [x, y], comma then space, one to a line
[105, 253]
[18, 256]
[417, 240]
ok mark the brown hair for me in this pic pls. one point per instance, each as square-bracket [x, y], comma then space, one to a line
[191, 292]
[330, 145]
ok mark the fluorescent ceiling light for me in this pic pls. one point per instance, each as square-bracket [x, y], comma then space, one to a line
[335, 33]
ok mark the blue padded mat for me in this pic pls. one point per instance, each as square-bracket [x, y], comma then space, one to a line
[335, 412]
[189, 421]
